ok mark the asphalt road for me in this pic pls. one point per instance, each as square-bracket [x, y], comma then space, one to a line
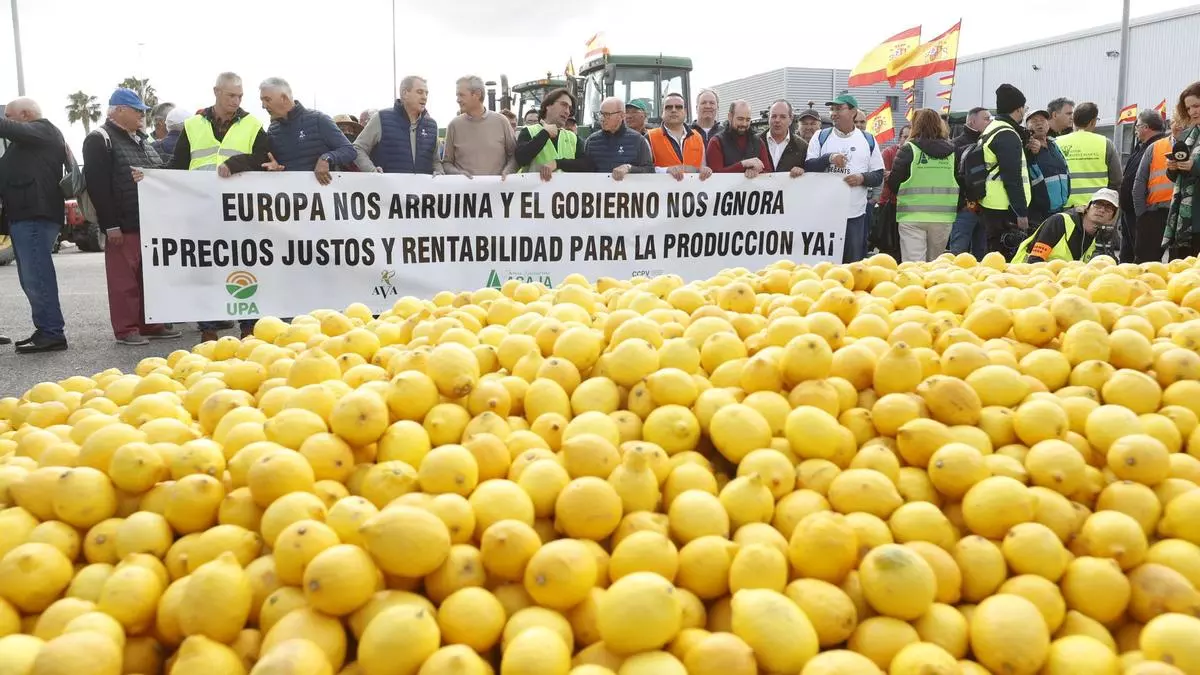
[83, 293]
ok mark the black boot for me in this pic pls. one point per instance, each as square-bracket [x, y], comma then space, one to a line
[5, 340]
[40, 343]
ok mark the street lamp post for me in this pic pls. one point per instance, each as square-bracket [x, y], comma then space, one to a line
[1122, 74]
[394, 82]
[16, 22]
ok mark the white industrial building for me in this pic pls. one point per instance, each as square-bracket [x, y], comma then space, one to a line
[1083, 66]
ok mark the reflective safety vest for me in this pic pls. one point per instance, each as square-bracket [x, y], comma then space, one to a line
[207, 152]
[1061, 250]
[930, 194]
[567, 142]
[1159, 188]
[996, 197]
[1086, 153]
[665, 154]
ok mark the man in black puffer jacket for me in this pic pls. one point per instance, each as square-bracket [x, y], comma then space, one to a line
[32, 213]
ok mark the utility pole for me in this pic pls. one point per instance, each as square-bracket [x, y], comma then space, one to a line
[395, 84]
[1122, 74]
[16, 22]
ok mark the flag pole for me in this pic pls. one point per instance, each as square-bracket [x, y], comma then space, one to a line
[1122, 74]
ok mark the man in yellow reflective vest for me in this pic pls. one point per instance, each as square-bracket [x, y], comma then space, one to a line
[1072, 234]
[1092, 160]
[1005, 203]
[549, 146]
[226, 139]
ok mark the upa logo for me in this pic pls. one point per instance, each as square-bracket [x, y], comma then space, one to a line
[241, 286]
[385, 287]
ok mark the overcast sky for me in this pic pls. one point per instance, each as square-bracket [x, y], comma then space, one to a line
[338, 56]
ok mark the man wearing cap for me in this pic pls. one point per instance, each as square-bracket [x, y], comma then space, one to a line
[1071, 235]
[403, 138]
[846, 149]
[635, 115]
[113, 156]
[1005, 203]
[810, 124]
[349, 126]
[1150, 128]
[785, 150]
[1092, 159]
[31, 212]
[1049, 178]
[175, 120]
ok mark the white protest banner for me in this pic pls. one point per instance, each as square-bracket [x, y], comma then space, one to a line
[280, 244]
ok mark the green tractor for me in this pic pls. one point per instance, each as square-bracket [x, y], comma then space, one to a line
[529, 95]
[630, 77]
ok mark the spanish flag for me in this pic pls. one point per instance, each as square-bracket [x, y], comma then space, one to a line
[569, 71]
[909, 86]
[947, 80]
[879, 123]
[1128, 114]
[946, 109]
[596, 46]
[1161, 108]
[909, 115]
[910, 98]
[936, 56]
[874, 66]
[945, 94]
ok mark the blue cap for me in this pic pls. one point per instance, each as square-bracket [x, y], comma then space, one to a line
[128, 97]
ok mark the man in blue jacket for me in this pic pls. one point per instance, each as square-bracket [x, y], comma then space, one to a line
[301, 139]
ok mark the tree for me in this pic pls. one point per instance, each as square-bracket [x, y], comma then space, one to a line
[83, 108]
[145, 91]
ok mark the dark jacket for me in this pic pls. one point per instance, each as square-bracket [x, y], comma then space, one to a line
[166, 147]
[30, 170]
[109, 176]
[793, 155]
[394, 152]
[304, 137]
[967, 137]
[181, 157]
[607, 150]
[1131, 171]
[1010, 150]
[727, 150]
[706, 137]
[939, 148]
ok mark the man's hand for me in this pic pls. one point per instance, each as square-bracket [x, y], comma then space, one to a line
[838, 159]
[1034, 146]
[223, 171]
[503, 175]
[752, 173]
[551, 129]
[854, 179]
[676, 171]
[1185, 166]
[705, 173]
[137, 175]
[796, 171]
[271, 164]
[115, 236]
[1022, 223]
[547, 170]
[379, 169]
[322, 172]
[752, 163]
[620, 172]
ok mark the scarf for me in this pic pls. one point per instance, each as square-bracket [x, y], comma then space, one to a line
[1180, 224]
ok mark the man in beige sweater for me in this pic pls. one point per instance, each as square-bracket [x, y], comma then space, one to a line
[479, 142]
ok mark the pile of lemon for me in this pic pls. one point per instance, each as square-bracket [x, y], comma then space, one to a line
[954, 467]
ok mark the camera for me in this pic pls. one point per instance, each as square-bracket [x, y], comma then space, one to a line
[1180, 152]
[1010, 241]
[1108, 241]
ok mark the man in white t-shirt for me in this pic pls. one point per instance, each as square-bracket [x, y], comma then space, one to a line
[846, 150]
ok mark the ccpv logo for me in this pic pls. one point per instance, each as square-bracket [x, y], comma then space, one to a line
[241, 286]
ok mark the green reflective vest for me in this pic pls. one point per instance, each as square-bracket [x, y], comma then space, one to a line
[207, 152]
[996, 197]
[1086, 153]
[1061, 250]
[567, 142]
[930, 194]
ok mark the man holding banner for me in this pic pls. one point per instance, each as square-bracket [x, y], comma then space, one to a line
[615, 148]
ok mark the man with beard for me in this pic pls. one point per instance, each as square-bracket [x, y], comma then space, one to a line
[550, 146]
[735, 149]
[615, 148]
[810, 124]
[677, 148]
[706, 115]
[785, 150]
[848, 150]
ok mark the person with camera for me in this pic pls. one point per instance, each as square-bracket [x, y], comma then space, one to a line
[1076, 234]
[1183, 169]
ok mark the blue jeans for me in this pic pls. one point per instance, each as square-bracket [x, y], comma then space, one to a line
[33, 245]
[967, 235]
[855, 247]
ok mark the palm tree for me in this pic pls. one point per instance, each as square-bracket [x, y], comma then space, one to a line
[144, 90]
[83, 108]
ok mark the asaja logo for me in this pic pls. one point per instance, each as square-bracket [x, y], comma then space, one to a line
[385, 287]
[241, 286]
[497, 280]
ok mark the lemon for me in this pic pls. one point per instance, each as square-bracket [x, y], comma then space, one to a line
[830, 610]
[644, 551]
[1170, 638]
[1140, 458]
[33, 575]
[1033, 548]
[736, 430]
[955, 468]
[216, 602]
[1085, 574]
[199, 654]
[823, 547]
[924, 658]
[1008, 634]
[864, 490]
[983, 566]
[1056, 465]
[638, 612]
[994, 505]
[588, 508]
[339, 580]
[779, 633]
[840, 662]
[720, 653]
[535, 651]
[78, 652]
[406, 541]
[560, 573]
[880, 638]
[1158, 589]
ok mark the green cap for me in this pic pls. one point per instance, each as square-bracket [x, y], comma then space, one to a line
[844, 99]
[639, 103]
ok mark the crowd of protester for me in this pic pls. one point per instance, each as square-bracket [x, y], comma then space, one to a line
[1034, 184]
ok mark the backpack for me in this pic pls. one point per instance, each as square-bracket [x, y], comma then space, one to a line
[973, 170]
[824, 136]
[74, 185]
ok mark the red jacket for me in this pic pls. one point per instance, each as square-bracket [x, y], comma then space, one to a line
[889, 156]
[716, 155]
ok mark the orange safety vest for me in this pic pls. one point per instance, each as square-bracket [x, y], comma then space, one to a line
[666, 156]
[1159, 188]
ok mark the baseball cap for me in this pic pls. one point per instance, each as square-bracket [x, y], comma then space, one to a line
[1106, 195]
[844, 99]
[810, 112]
[639, 103]
[1040, 111]
[177, 117]
[127, 97]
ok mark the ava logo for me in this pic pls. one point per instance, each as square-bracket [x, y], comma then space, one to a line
[241, 286]
[385, 287]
